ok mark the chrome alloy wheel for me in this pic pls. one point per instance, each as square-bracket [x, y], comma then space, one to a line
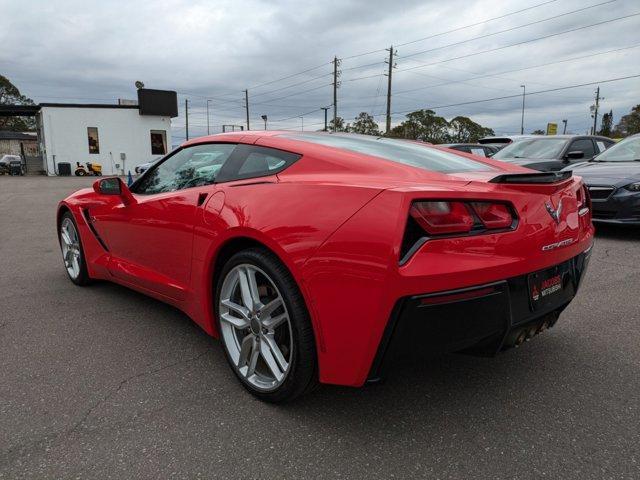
[70, 244]
[255, 327]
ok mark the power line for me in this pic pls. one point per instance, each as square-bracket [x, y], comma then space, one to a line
[519, 69]
[477, 23]
[520, 43]
[517, 27]
[291, 94]
[290, 76]
[519, 95]
[292, 85]
[453, 30]
[296, 116]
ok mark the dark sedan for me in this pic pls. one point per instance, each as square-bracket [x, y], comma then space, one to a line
[613, 179]
[552, 153]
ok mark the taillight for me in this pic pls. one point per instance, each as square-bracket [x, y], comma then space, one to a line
[446, 217]
[584, 200]
[441, 218]
[493, 215]
[453, 218]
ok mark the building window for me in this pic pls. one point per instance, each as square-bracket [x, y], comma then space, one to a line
[158, 142]
[94, 143]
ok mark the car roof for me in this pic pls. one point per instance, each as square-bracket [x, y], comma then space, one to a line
[354, 166]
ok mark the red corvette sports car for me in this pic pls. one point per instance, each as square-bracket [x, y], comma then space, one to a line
[320, 257]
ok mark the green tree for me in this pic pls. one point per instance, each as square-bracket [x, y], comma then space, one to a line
[340, 127]
[364, 124]
[538, 132]
[629, 124]
[10, 95]
[607, 124]
[423, 125]
[465, 130]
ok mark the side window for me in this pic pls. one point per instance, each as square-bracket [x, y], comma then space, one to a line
[255, 161]
[189, 167]
[583, 144]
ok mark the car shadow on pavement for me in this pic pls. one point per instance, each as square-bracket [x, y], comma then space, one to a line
[531, 385]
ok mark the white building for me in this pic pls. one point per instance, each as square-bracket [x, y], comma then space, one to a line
[118, 137]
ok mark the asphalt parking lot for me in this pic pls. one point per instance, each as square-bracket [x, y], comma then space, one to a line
[102, 382]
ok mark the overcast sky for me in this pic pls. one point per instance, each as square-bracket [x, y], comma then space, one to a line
[92, 52]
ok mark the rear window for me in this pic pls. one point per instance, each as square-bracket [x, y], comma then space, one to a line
[537, 148]
[400, 151]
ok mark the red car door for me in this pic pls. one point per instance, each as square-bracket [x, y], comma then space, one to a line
[151, 240]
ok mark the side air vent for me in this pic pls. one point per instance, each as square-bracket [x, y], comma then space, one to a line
[89, 220]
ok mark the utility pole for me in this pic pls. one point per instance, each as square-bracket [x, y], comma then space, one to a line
[391, 67]
[595, 110]
[564, 130]
[186, 119]
[325, 117]
[336, 84]
[524, 92]
[246, 106]
[208, 130]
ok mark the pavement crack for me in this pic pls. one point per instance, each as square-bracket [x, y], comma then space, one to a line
[120, 385]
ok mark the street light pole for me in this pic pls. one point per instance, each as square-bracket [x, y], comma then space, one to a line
[186, 119]
[564, 130]
[325, 117]
[524, 92]
[208, 130]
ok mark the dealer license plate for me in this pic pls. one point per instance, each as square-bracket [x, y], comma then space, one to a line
[548, 288]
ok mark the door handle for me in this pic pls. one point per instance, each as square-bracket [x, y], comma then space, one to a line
[201, 198]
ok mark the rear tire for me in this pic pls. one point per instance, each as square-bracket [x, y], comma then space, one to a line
[264, 327]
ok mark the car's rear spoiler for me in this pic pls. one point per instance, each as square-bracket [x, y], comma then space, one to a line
[544, 177]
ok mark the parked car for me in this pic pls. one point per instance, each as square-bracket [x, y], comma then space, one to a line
[613, 179]
[473, 148]
[143, 167]
[320, 257]
[553, 152]
[5, 163]
[503, 141]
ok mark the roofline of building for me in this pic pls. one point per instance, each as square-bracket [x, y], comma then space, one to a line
[87, 105]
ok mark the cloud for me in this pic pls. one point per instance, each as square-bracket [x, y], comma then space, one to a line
[72, 50]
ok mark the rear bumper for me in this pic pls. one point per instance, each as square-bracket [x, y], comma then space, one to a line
[483, 319]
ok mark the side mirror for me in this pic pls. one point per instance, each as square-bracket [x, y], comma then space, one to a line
[114, 186]
[108, 186]
[574, 155]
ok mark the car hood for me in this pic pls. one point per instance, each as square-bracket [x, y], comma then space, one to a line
[608, 173]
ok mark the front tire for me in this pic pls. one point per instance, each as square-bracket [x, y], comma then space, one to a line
[265, 327]
[72, 251]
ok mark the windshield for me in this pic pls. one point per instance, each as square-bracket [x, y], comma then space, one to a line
[625, 151]
[532, 148]
[400, 151]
